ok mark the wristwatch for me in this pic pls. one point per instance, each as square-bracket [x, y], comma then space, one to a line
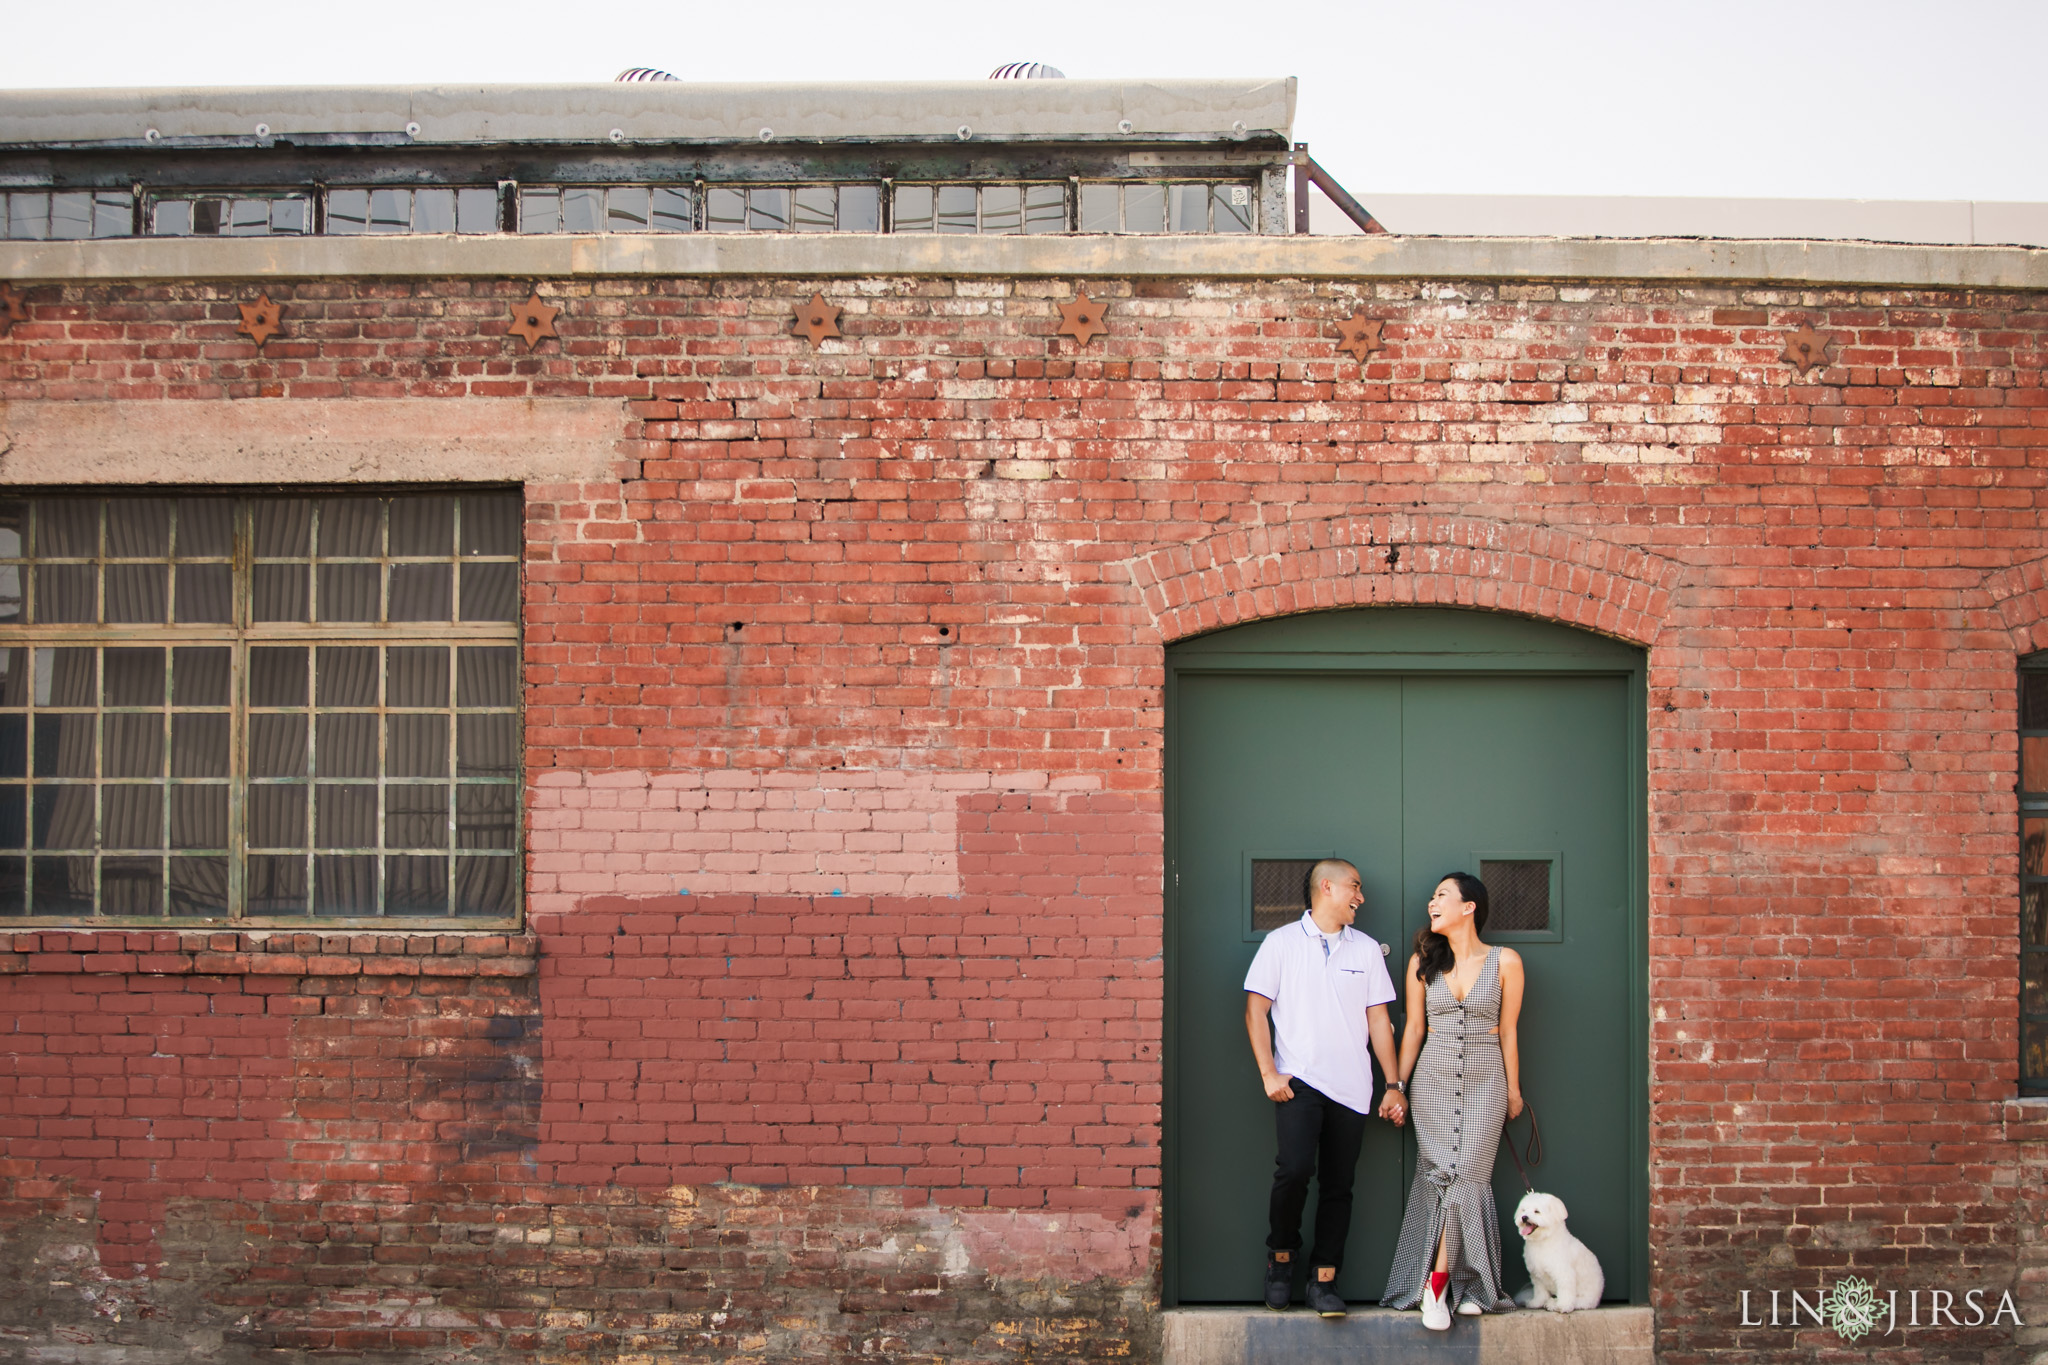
[1401, 1086]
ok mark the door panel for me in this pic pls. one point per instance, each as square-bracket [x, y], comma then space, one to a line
[1442, 758]
[1297, 766]
[1541, 764]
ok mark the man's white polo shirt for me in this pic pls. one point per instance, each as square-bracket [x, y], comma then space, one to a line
[1319, 1005]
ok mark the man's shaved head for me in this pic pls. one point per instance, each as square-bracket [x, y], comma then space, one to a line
[1327, 870]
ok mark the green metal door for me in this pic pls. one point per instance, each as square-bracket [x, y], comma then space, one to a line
[1413, 742]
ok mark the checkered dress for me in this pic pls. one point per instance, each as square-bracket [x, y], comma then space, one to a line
[1458, 1098]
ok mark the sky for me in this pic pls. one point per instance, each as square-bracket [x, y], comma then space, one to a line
[1876, 100]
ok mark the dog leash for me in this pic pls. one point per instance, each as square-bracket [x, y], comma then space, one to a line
[1532, 1149]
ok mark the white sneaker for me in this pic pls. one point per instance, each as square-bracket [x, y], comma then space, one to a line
[1436, 1316]
[1470, 1309]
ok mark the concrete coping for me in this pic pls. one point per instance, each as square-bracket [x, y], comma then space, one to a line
[663, 112]
[823, 257]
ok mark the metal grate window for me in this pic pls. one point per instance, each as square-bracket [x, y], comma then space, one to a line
[225, 707]
[1518, 895]
[2034, 877]
[1279, 891]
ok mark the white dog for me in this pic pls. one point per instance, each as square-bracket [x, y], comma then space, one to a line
[1564, 1274]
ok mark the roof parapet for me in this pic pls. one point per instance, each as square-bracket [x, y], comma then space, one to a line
[1138, 112]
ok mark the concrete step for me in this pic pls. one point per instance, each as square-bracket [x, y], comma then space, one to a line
[1255, 1336]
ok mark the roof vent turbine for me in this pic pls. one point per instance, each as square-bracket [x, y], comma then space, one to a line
[1023, 71]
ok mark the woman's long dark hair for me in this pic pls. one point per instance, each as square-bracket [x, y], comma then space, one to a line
[1433, 955]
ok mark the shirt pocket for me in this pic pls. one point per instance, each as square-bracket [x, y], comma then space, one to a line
[1353, 987]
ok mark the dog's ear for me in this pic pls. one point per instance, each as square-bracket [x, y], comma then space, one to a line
[1558, 1205]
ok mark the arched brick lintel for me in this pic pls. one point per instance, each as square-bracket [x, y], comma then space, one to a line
[1250, 574]
[2020, 594]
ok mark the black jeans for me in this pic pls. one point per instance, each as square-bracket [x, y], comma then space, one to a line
[1318, 1137]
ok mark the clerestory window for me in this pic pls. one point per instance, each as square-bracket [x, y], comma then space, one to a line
[274, 708]
[598, 208]
[66, 215]
[966, 208]
[469, 209]
[1188, 207]
[997, 210]
[228, 214]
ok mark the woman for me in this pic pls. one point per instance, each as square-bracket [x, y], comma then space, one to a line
[1466, 997]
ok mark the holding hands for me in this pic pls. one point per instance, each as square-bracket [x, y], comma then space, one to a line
[1394, 1107]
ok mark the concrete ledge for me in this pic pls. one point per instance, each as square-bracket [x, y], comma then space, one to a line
[822, 257]
[1253, 1336]
[312, 440]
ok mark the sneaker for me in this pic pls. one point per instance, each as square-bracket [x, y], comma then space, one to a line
[1470, 1308]
[1279, 1282]
[1322, 1298]
[1436, 1315]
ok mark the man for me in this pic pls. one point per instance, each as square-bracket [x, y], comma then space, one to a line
[1316, 993]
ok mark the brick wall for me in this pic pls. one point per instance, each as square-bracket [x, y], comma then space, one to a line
[254, 1140]
[862, 649]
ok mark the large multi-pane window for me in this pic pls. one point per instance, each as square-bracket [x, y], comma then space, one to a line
[281, 708]
[2034, 876]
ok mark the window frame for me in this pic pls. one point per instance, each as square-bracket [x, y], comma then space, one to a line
[897, 189]
[309, 200]
[242, 634]
[757, 221]
[1553, 930]
[526, 198]
[485, 197]
[1248, 928]
[96, 197]
[1120, 191]
[515, 208]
